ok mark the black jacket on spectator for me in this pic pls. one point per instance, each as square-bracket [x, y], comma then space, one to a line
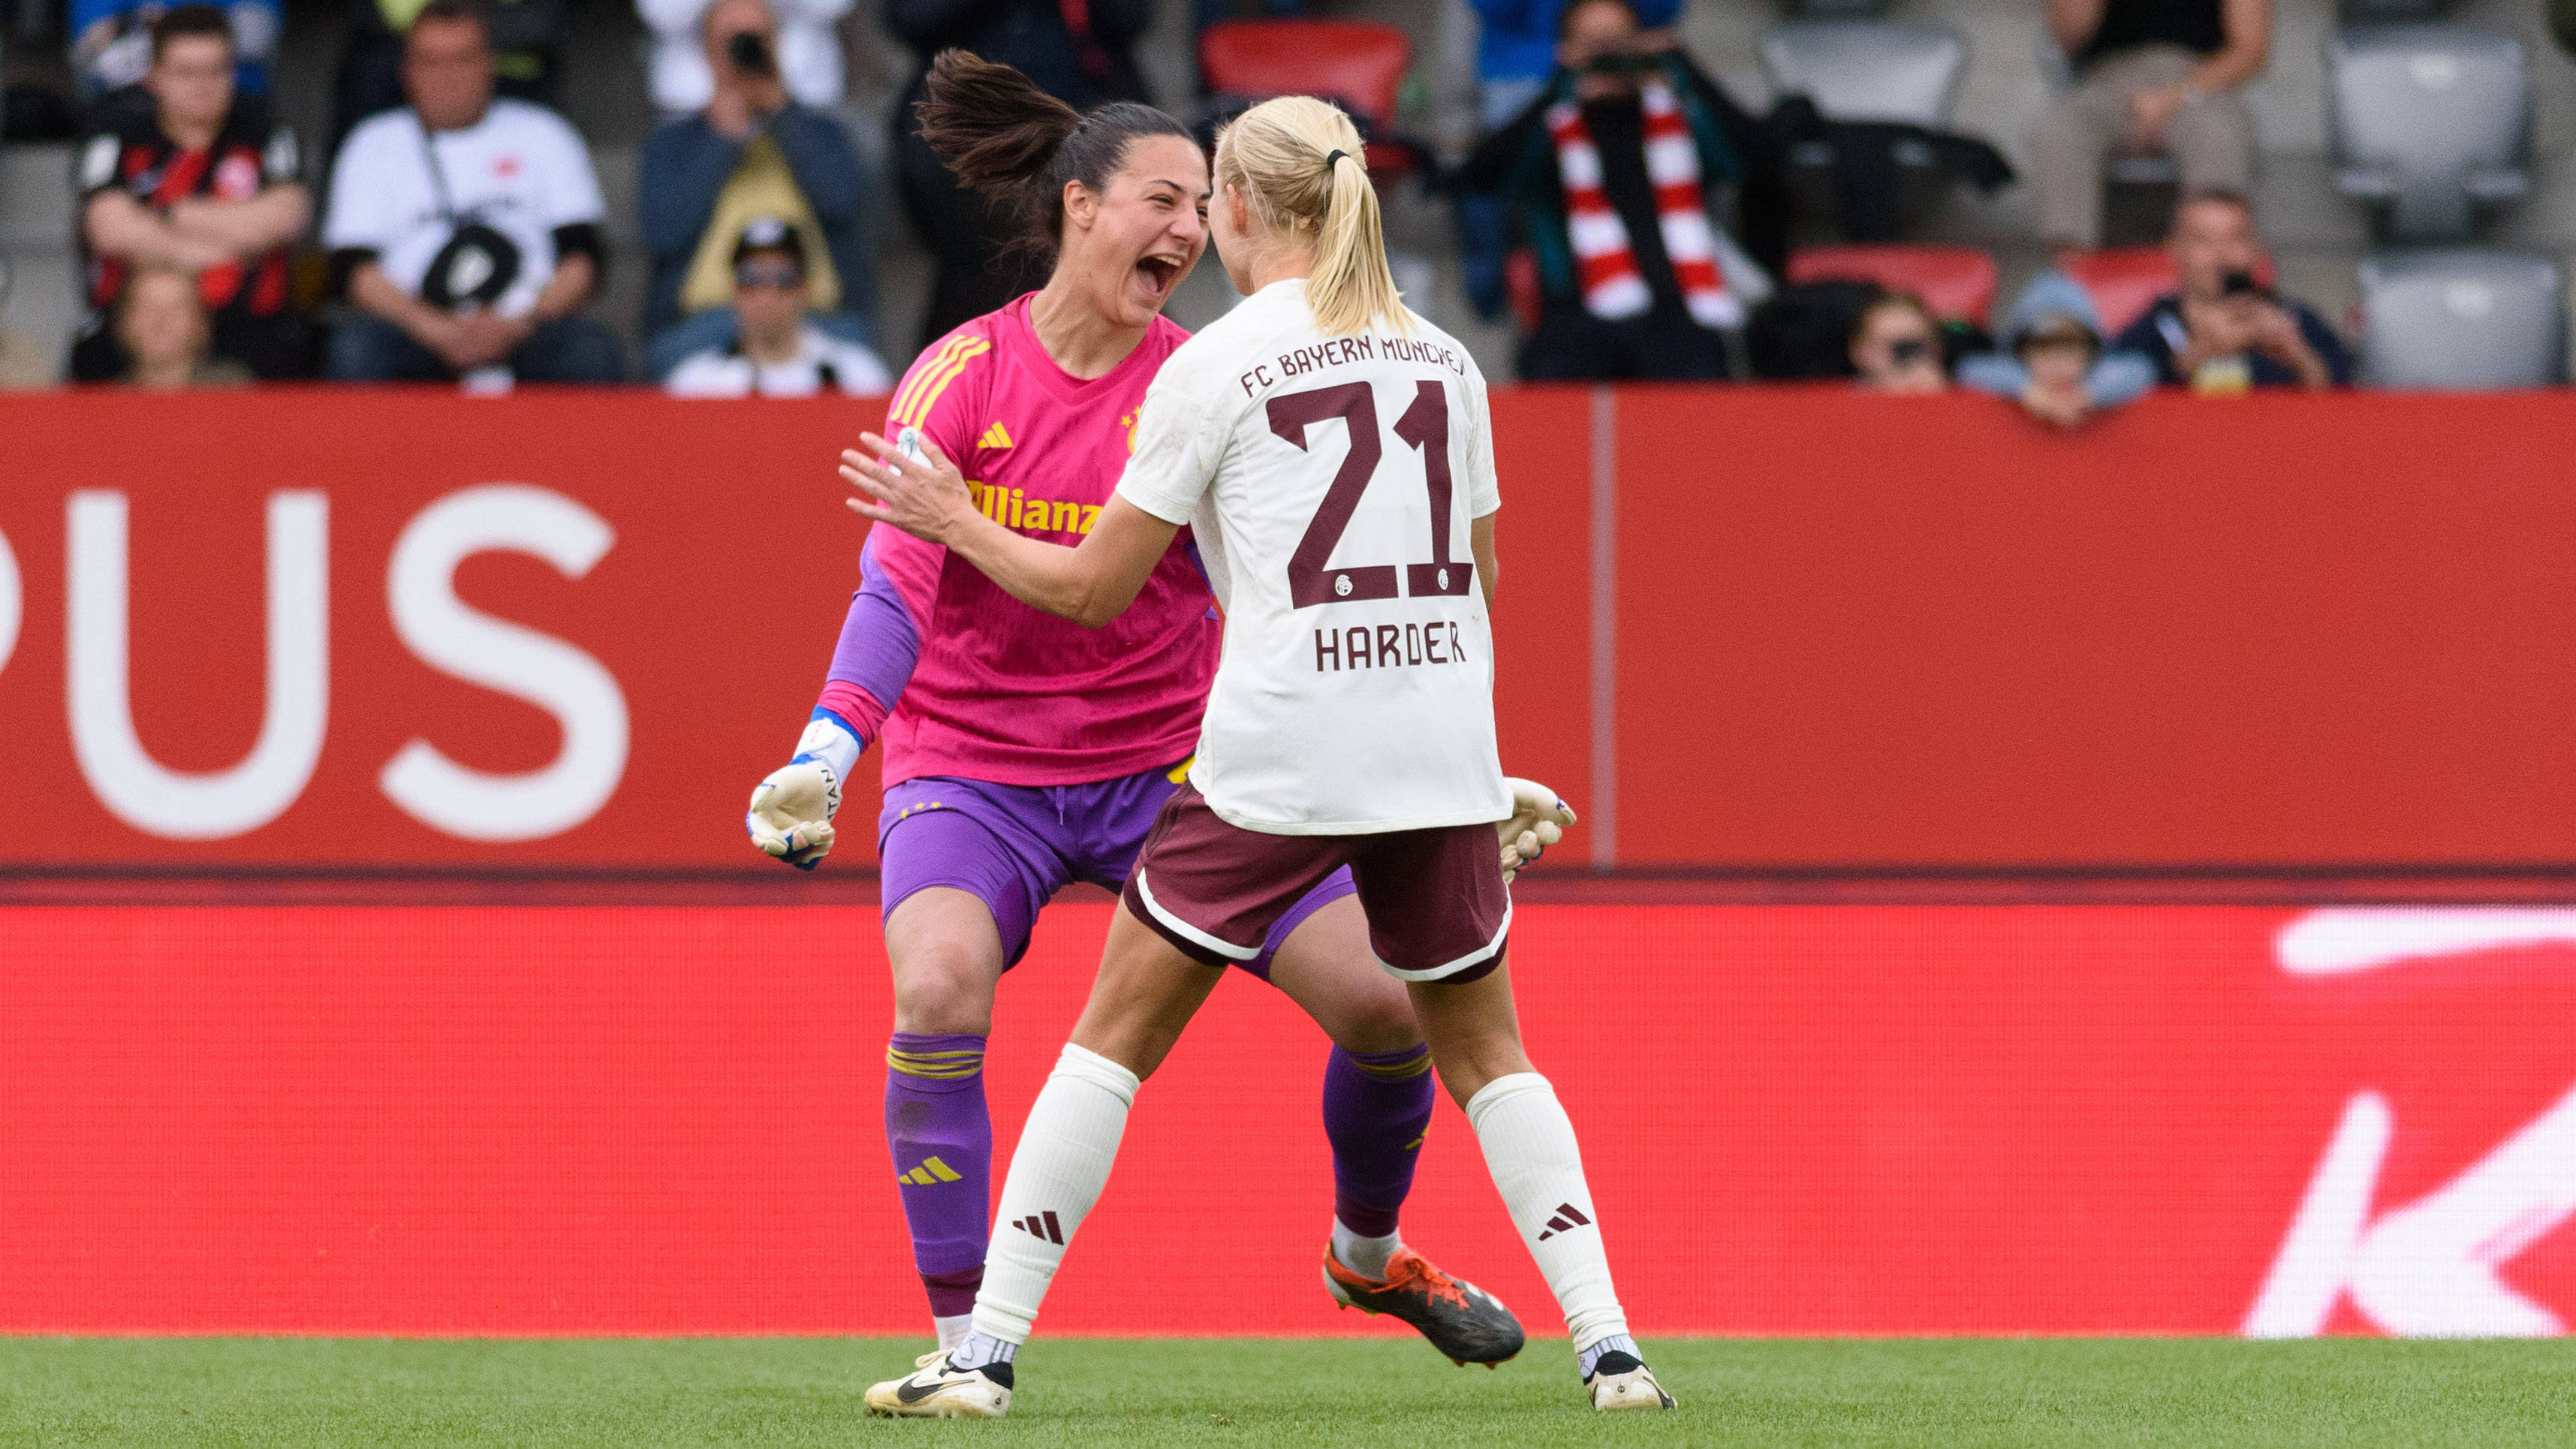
[685, 167]
[1520, 162]
[2160, 334]
[247, 304]
[1084, 70]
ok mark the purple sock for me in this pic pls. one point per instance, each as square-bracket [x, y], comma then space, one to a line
[1377, 1105]
[942, 1140]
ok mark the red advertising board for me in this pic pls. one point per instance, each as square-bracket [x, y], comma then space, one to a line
[1814, 630]
[1838, 1120]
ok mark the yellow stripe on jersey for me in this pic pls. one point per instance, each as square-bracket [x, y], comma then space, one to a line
[922, 371]
[1181, 771]
[925, 394]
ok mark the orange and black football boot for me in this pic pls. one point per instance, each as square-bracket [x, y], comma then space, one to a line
[1462, 1320]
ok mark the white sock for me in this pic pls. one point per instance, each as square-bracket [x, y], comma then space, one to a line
[1537, 1165]
[1364, 1256]
[952, 1329]
[1057, 1172]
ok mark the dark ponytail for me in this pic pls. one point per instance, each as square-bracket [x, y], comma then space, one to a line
[1017, 146]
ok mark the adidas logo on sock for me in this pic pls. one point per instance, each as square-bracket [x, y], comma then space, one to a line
[930, 1172]
[1046, 1231]
[1568, 1218]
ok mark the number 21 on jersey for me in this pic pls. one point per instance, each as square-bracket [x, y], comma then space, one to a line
[1424, 425]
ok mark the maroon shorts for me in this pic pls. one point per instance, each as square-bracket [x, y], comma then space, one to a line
[1435, 900]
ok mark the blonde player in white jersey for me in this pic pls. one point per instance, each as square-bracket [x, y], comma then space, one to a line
[1333, 456]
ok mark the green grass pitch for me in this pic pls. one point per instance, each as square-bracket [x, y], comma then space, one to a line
[1141, 1394]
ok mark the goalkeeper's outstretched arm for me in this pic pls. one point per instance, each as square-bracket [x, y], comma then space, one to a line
[791, 811]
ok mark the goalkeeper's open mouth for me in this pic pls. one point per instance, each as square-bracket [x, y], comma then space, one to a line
[1156, 276]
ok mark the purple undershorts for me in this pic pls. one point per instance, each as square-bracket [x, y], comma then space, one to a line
[1014, 846]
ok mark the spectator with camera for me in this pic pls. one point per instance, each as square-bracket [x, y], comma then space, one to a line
[804, 39]
[186, 172]
[1515, 60]
[468, 228]
[2151, 77]
[2224, 330]
[754, 151]
[1896, 346]
[1078, 51]
[1606, 176]
[775, 350]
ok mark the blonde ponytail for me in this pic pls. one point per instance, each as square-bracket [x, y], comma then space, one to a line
[1303, 169]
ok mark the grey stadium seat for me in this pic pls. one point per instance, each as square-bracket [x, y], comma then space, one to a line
[2430, 119]
[2461, 318]
[1868, 70]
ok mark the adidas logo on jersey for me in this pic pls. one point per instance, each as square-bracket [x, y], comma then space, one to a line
[931, 1171]
[1041, 1226]
[1568, 1217]
[995, 436]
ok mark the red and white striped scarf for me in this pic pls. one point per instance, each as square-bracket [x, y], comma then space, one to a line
[1605, 262]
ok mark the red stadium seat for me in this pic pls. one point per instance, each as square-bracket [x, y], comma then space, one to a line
[1358, 63]
[1955, 282]
[2126, 281]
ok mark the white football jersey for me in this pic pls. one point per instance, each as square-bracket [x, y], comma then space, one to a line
[1330, 482]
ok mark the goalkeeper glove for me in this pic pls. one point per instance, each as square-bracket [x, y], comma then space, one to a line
[791, 811]
[1538, 820]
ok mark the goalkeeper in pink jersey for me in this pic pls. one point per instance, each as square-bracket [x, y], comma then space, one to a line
[1023, 751]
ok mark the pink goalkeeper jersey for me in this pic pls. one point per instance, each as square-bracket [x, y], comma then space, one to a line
[1000, 691]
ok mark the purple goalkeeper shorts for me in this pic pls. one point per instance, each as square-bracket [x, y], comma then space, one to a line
[1014, 846]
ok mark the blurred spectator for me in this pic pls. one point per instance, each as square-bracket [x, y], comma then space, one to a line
[2225, 331]
[804, 40]
[1627, 252]
[1516, 49]
[2151, 77]
[468, 228]
[1075, 50]
[527, 39]
[1896, 346]
[22, 363]
[2055, 366]
[754, 151]
[112, 42]
[1515, 57]
[185, 173]
[776, 352]
[161, 320]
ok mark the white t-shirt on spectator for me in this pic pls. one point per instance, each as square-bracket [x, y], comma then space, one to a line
[809, 51]
[821, 360]
[522, 170]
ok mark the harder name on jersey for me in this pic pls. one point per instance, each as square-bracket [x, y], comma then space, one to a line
[1393, 645]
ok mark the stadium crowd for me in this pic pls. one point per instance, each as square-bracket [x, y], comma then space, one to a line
[1622, 207]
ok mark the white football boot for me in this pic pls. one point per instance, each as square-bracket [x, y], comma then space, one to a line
[1622, 1381]
[933, 1390]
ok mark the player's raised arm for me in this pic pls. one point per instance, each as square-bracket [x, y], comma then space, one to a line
[1090, 584]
